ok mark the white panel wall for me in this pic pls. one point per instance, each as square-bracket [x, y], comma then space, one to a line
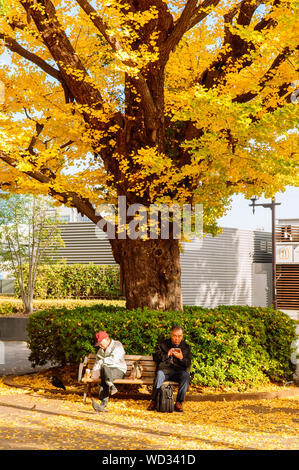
[218, 272]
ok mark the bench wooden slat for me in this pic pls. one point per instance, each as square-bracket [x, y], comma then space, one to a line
[138, 357]
[130, 363]
[128, 357]
[146, 366]
[144, 374]
[145, 381]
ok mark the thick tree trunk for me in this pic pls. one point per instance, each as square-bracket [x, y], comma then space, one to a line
[151, 273]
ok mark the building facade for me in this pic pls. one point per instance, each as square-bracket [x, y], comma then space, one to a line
[287, 264]
[233, 268]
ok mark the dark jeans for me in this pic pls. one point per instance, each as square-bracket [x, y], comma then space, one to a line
[181, 376]
[108, 374]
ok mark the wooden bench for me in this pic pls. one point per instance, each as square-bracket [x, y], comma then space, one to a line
[148, 374]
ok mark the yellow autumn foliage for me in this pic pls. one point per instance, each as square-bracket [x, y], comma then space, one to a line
[83, 112]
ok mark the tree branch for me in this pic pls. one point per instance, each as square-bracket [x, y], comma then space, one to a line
[140, 82]
[81, 204]
[14, 46]
[180, 27]
[236, 183]
[245, 97]
[234, 49]
[58, 44]
[99, 24]
[266, 23]
[201, 12]
[190, 16]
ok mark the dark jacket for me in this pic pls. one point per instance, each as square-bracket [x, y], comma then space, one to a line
[172, 364]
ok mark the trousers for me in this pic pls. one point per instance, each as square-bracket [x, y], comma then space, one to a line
[108, 374]
[180, 376]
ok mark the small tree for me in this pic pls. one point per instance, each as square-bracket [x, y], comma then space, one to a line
[29, 235]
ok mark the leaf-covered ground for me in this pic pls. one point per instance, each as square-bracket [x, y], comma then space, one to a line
[69, 376]
[44, 420]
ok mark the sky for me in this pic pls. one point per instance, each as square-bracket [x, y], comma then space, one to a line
[240, 215]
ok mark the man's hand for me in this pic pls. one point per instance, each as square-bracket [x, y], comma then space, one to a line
[176, 352]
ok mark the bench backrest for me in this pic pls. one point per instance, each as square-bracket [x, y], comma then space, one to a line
[147, 363]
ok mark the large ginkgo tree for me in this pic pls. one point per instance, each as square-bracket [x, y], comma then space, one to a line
[160, 102]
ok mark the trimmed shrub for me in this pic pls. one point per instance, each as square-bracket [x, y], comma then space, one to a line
[13, 306]
[230, 345]
[10, 308]
[77, 281]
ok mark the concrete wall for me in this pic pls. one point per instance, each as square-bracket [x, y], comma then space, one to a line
[13, 329]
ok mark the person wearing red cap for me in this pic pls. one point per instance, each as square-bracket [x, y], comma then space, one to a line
[110, 360]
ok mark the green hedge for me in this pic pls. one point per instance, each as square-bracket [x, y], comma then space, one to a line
[78, 281]
[231, 345]
[14, 306]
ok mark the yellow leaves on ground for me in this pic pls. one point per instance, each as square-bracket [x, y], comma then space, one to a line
[63, 421]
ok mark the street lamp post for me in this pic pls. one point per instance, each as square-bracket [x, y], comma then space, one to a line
[272, 207]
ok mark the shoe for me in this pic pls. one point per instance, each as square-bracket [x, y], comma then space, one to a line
[152, 406]
[178, 407]
[103, 409]
[98, 408]
[113, 390]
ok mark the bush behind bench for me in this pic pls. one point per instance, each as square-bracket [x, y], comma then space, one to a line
[230, 344]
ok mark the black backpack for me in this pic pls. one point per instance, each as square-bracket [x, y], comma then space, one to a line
[164, 401]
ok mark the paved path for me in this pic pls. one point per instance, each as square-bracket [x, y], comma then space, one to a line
[31, 421]
[14, 358]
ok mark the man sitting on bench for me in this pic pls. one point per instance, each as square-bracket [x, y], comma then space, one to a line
[111, 362]
[173, 359]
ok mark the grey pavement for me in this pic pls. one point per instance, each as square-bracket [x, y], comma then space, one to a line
[14, 358]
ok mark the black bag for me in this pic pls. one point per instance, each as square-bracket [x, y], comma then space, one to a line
[164, 402]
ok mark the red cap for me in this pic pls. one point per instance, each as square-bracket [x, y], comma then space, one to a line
[100, 336]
